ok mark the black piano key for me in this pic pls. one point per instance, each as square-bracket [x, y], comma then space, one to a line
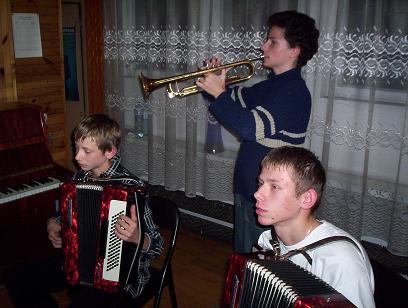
[18, 187]
[21, 187]
[41, 180]
[32, 183]
[6, 191]
[45, 180]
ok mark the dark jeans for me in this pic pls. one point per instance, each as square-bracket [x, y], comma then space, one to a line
[30, 285]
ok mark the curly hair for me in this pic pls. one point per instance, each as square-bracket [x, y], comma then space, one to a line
[300, 31]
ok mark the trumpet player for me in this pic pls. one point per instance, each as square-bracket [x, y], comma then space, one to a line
[272, 113]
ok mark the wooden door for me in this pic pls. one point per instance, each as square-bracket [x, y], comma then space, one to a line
[73, 63]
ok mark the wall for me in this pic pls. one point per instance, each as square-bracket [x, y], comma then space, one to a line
[8, 91]
[38, 80]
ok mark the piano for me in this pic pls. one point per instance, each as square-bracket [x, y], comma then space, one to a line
[29, 184]
[16, 192]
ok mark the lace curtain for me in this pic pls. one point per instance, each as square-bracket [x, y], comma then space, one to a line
[358, 80]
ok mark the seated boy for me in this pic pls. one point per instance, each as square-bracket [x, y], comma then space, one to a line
[290, 188]
[97, 139]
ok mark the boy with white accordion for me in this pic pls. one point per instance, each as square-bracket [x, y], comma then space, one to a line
[97, 140]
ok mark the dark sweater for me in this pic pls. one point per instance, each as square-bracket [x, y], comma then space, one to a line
[271, 113]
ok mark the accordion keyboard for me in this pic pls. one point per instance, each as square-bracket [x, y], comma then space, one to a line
[111, 264]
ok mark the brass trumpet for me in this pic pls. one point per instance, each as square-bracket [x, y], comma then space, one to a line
[149, 85]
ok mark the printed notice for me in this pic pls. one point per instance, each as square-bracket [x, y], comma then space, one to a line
[26, 35]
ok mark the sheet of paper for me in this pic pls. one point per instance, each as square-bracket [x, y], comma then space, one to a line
[26, 35]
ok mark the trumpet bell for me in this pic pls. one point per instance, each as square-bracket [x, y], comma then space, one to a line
[147, 84]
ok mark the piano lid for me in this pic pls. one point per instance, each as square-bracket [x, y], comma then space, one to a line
[23, 147]
[20, 124]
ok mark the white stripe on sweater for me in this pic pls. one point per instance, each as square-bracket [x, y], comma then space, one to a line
[293, 135]
[273, 143]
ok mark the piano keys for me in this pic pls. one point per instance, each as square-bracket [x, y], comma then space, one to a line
[29, 181]
[16, 192]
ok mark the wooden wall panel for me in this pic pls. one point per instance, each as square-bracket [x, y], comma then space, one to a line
[41, 80]
[94, 55]
[8, 90]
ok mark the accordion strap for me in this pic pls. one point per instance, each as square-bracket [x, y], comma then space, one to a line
[275, 251]
[318, 243]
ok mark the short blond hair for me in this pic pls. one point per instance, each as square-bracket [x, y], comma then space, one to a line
[102, 129]
[305, 168]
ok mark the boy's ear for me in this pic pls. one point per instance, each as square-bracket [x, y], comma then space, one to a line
[110, 153]
[295, 52]
[309, 198]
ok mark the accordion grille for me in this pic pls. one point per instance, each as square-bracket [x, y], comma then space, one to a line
[272, 283]
[89, 201]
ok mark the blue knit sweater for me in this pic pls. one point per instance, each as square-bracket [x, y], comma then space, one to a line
[271, 113]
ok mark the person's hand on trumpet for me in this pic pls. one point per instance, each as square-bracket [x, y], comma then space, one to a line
[213, 83]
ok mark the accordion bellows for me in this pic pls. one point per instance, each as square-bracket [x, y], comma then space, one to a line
[93, 255]
[274, 282]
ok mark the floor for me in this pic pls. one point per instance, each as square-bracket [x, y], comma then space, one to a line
[199, 266]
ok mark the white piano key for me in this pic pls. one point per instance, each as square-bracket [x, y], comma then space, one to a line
[29, 191]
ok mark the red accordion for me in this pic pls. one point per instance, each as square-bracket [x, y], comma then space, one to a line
[93, 255]
[276, 282]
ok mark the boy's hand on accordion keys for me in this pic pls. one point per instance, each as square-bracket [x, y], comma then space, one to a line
[127, 228]
[54, 232]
